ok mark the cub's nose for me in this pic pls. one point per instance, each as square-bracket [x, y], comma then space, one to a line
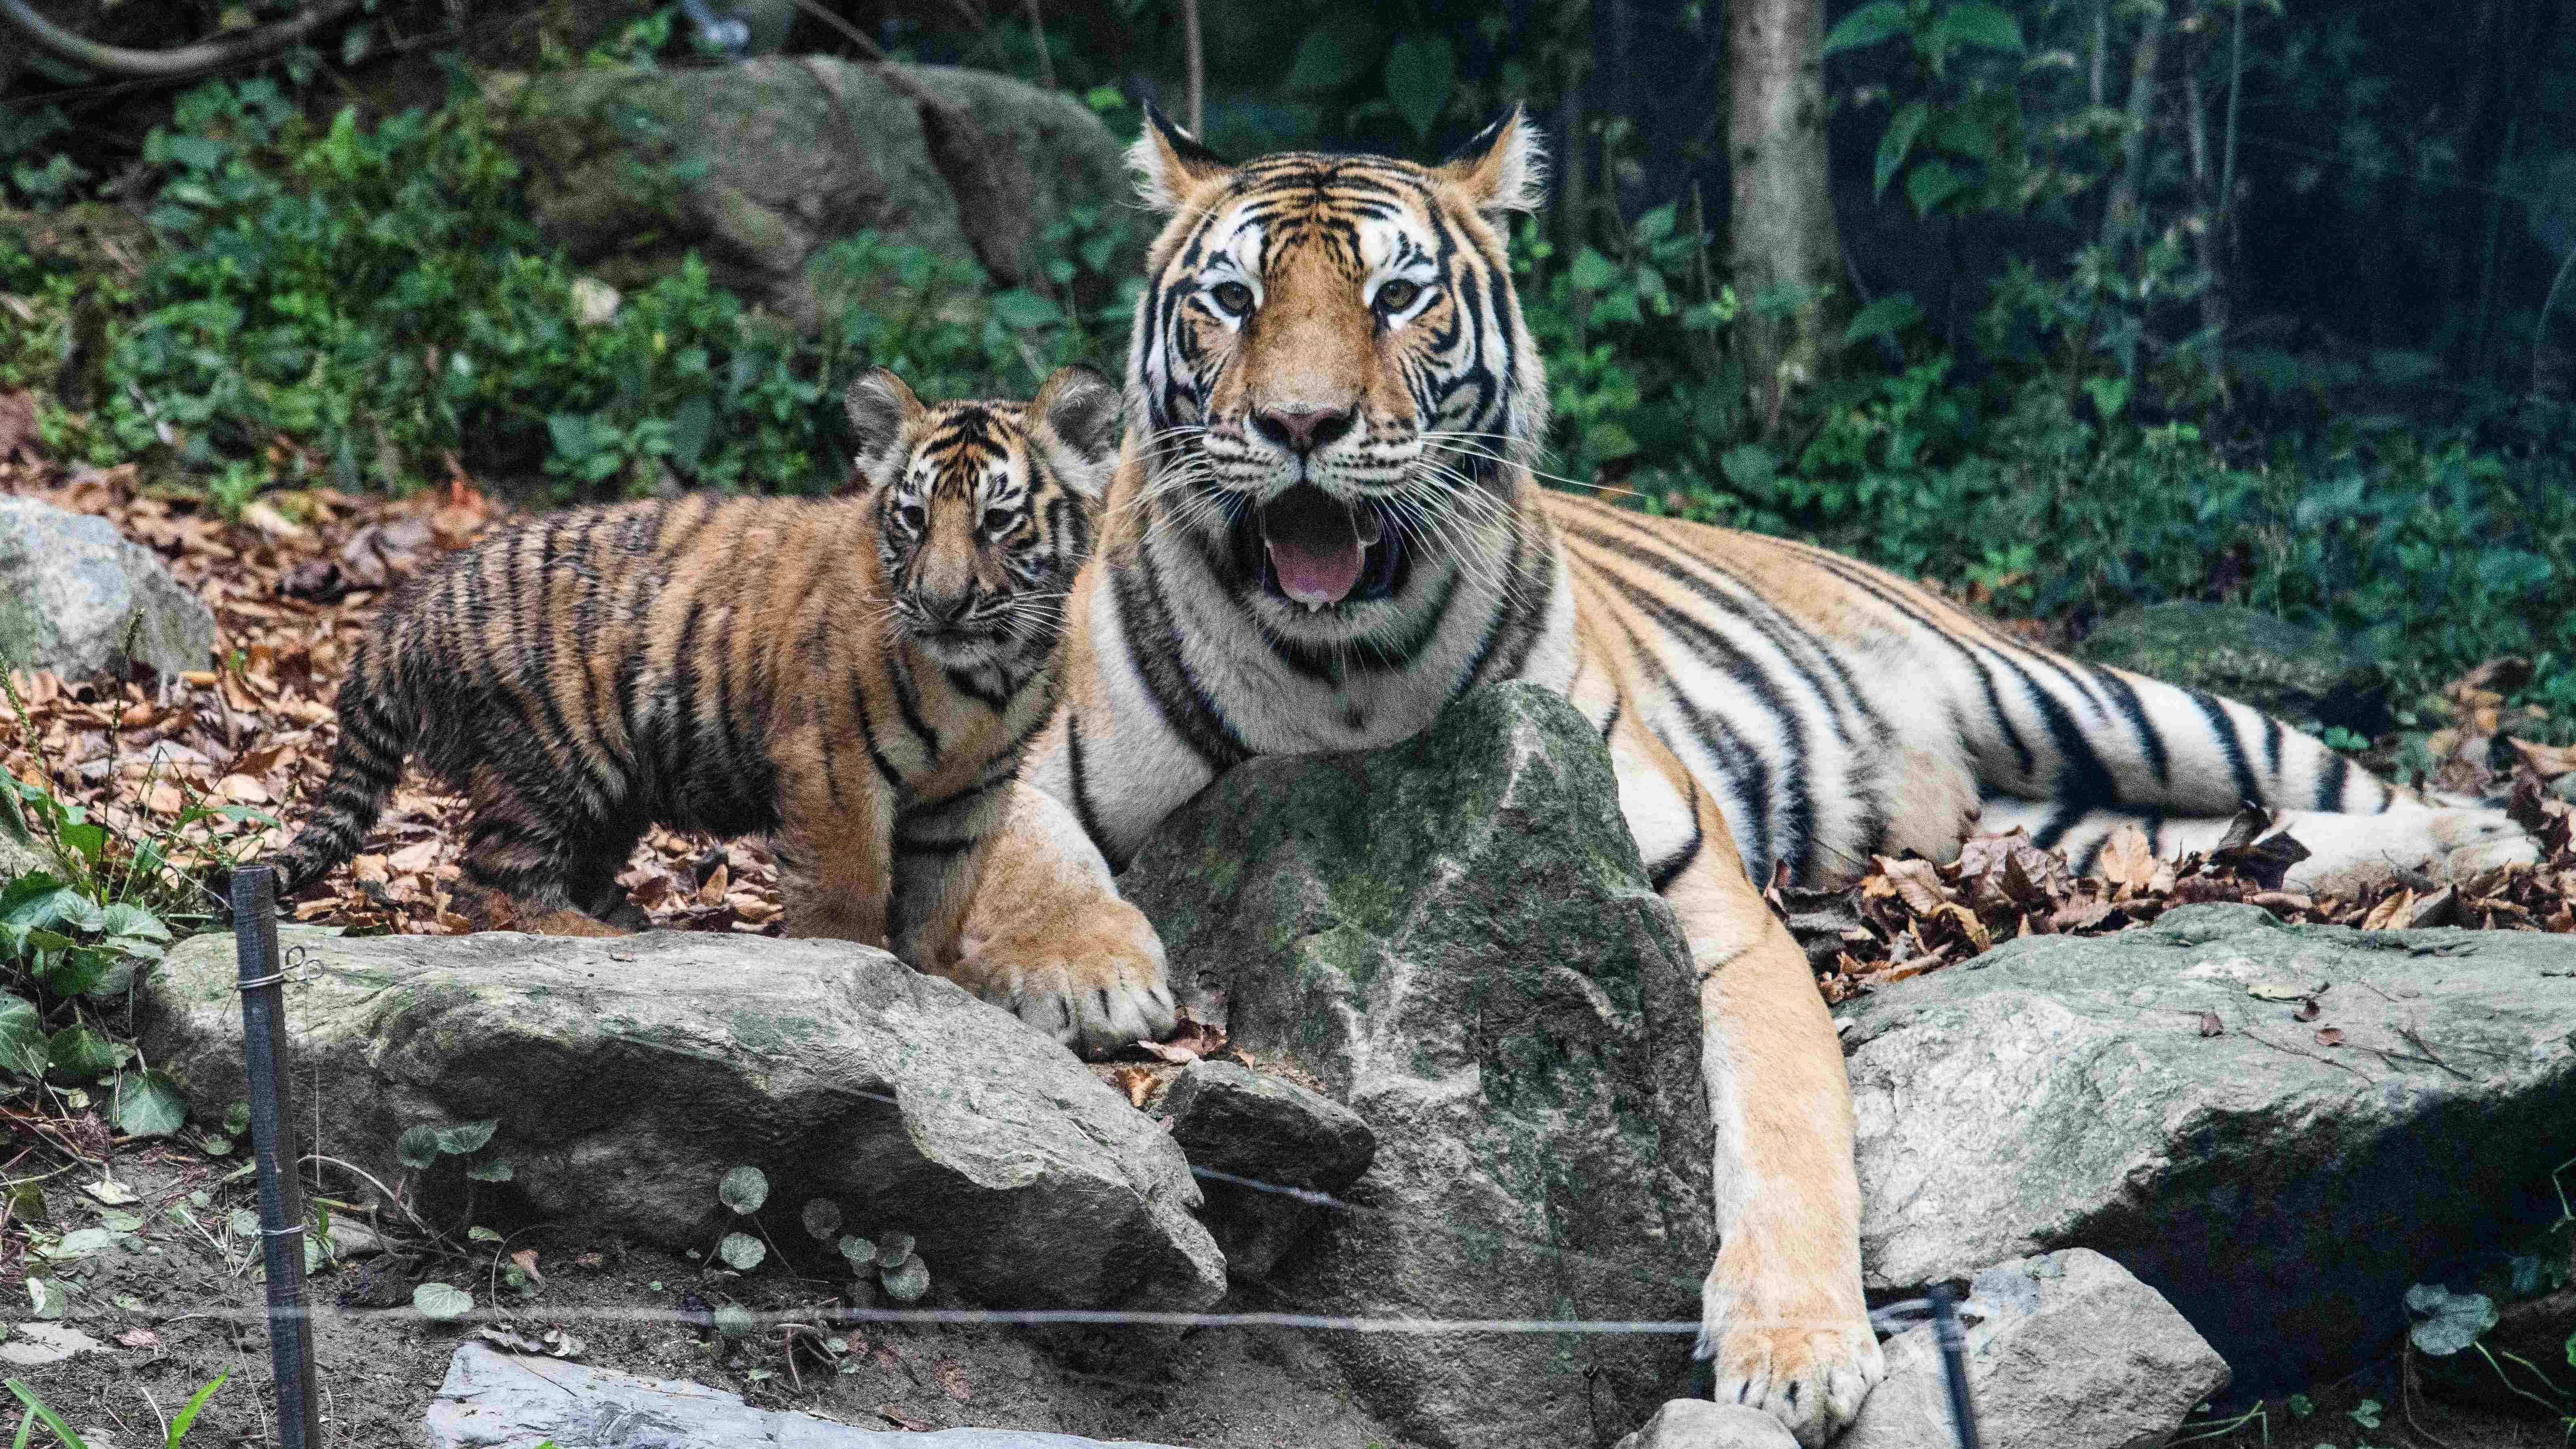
[1302, 432]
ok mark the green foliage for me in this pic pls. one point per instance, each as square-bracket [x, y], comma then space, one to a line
[366, 303]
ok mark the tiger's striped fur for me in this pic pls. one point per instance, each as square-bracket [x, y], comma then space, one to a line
[1325, 526]
[854, 677]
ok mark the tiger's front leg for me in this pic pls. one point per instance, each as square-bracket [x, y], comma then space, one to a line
[835, 855]
[1048, 938]
[1781, 1314]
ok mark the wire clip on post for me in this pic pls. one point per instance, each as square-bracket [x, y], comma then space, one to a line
[272, 1135]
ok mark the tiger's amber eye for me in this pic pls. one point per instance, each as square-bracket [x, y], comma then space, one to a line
[1234, 297]
[1397, 295]
[997, 520]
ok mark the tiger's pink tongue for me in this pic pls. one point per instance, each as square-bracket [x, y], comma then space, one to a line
[1315, 547]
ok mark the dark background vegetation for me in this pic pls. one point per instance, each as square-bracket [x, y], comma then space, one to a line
[2130, 300]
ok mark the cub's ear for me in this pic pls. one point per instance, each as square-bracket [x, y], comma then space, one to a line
[1170, 163]
[1078, 415]
[880, 408]
[1503, 169]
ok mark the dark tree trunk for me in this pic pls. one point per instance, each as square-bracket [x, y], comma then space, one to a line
[1783, 215]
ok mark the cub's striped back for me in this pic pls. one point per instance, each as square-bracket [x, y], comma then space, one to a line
[852, 676]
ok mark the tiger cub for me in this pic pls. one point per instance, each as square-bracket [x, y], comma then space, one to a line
[853, 677]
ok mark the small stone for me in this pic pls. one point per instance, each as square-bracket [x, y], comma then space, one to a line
[2065, 1351]
[1700, 1424]
[1266, 1128]
[37, 1343]
[75, 595]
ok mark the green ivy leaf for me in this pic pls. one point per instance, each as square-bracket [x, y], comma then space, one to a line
[859, 1251]
[735, 1321]
[1421, 72]
[417, 1147]
[2447, 1322]
[1933, 182]
[442, 1302]
[1885, 317]
[22, 1036]
[1902, 128]
[1591, 271]
[1977, 24]
[1868, 25]
[149, 1104]
[466, 1137]
[822, 1219]
[742, 1252]
[80, 1053]
[744, 1189]
[1021, 309]
[907, 1281]
[494, 1171]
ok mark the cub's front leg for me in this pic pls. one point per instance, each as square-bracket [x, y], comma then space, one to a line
[836, 856]
[1047, 936]
[1781, 1314]
[940, 850]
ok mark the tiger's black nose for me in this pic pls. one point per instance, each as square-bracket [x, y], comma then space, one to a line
[1302, 432]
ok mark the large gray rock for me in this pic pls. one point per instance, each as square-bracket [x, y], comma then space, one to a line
[760, 166]
[1699, 1424]
[1455, 937]
[2066, 1351]
[2282, 1191]
[2274, 665]
[78, 599]
[492, 1398]
[629, 1074]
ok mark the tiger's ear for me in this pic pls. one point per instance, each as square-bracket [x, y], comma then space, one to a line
[1079, 416]
[1503, 169]
[880, 408]
[1170, 163]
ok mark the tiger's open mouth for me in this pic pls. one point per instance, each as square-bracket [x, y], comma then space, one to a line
[1316, 551]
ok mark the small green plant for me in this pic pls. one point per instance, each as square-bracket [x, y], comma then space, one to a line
[36, 1409]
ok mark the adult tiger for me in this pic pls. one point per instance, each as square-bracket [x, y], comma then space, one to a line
[1324, 527]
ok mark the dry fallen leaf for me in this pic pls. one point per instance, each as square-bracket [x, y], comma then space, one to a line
[2127, 860]
[2210, 1025]
[1136, 1082]
[2330, 1036]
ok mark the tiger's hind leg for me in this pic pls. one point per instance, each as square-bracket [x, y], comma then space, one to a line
[536, 864]
[2346, 852]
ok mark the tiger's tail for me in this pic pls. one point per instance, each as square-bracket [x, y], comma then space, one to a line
[374, 722]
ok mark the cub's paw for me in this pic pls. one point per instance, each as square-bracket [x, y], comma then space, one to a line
[1096, 985]
[2350, 853]
[1787, 1342]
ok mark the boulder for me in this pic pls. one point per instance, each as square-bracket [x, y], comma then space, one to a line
[1455, 938]
[78, 599]
[2301, 675]
[1267, 1152]
[2064, 1351]
[1699, 1424]
[760, 166]
[492, 1398]
[2166, 1097]
[628, 1075]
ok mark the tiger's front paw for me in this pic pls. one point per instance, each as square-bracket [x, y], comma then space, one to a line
[1788, 1338]
[1096, 986]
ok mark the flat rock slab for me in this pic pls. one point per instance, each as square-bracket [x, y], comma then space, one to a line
[629, 1075]
[1455, 939]
[2066, 1351]
[2282, 1189]
[494, 1400]
[76, 596]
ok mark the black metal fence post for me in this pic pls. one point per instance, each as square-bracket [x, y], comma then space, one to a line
[1954, 1364]
[272, 1135]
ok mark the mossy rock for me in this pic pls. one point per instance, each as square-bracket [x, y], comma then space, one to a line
[2300, 675]
[759, 167]
[1455, 938]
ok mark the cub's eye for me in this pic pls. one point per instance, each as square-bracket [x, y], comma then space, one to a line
[1396, 295]
[1232, 298]
[999, 520]
[910, 517]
